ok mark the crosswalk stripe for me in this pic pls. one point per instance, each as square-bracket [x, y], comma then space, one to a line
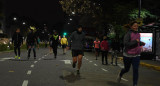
[25, 83]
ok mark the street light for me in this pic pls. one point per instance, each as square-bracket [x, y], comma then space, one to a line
[71, 19]
[68, 23]
[14, 18]
[24, 23]
[73, 13]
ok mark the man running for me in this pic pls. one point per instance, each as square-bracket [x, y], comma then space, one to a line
[17, 40]
[54, 40]
[77, 46]
[31, 42]
[64, 43]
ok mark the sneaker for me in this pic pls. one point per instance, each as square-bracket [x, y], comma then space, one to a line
[19, 57]
[78, 72]
[74, 65]
[16, 57]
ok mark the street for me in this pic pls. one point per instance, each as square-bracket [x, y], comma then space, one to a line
[47, 71]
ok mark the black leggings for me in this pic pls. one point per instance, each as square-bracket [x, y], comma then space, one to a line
[55, 50]
[15, 50]
[104, 55]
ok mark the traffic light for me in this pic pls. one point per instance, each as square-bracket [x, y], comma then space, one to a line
[64, 33]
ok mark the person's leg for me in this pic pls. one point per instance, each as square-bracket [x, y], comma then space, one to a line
[79, 61]
[102, 57]
[116, 57]
[106, 57]
[112, 57]
[15, 50]
[127, 64]
[19, 52]
[74, 55]
[135, 64]
[29, 51]
[34, 51]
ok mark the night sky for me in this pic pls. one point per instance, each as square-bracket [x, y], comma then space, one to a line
[40, 10]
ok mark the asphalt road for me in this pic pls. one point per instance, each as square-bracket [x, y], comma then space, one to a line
[47, 71]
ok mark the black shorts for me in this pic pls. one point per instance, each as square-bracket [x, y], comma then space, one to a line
[97, 49]
[64, 46]
[75, 53]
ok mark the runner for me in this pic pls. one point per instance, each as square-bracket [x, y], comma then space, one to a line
[64, 43]
[104, 49]
[77, 46]
[31, 42]
[97, 47]
[17, 40]
[131, 54]
[54, 40]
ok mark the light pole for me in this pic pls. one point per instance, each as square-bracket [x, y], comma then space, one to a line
[140, 4]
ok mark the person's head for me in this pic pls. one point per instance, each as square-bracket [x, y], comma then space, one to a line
[97, 39]
[54, 32]
[18, 30]
[79, 28]
[104, 37]
[64, 36]
[134, 25]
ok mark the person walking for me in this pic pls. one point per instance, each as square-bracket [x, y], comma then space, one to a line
[104, 49]
[31, 42]
[78, 41]
[97, 47]
[131, 54]
[64, 43]
[115, 50]
[17, 40]
[54, 41]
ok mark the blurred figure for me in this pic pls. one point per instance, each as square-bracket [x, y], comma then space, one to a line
[31, 42]
[38, 42]
[97, 47]
[104, 49]
[131, 54]
[64, 43]
[17, 40]
[54, 40]
[115, 50]
[77, 45]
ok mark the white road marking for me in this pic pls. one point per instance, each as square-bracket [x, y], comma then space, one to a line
[95, 65]
[7, 58]
[43, 57]
[86, 59]
[124, 79]
[2, 60]
[90, 61]
[104, 69]
[35, 62]
[120, 65]
[29, 72]
[39, 59]
[25, 83]
[67, 61]
[32, 66]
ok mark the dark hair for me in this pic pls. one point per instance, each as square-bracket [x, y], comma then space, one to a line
[132, 23]
[79, 26]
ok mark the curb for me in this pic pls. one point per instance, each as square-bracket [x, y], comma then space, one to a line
[155, 67]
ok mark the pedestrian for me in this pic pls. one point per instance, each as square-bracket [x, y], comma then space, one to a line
[38, 42]
[54, 43]
[104, 48]
[97, 47]
[17, 40]
[131, 54]
[115, 50]
[77, 46]
[31, 42]
[64, 43]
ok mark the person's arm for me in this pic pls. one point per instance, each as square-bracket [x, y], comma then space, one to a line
[70, 39]
[128, 43]
[101, 45]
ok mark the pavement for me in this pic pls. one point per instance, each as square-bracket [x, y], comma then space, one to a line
[47, 71]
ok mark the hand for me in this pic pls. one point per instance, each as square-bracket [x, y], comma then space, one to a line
[137, 40]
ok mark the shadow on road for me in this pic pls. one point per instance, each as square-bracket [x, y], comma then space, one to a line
[71, 78]
[111, 83]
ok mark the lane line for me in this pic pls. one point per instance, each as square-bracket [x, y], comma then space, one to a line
[90, 61]
[39, 59]
[43, 57]
[25, 83]
[35, 62]
[2, 60]
[67, 61]
[104, 69]
[32, 66]
[95, 65]
[29, 72]
[124, 79]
